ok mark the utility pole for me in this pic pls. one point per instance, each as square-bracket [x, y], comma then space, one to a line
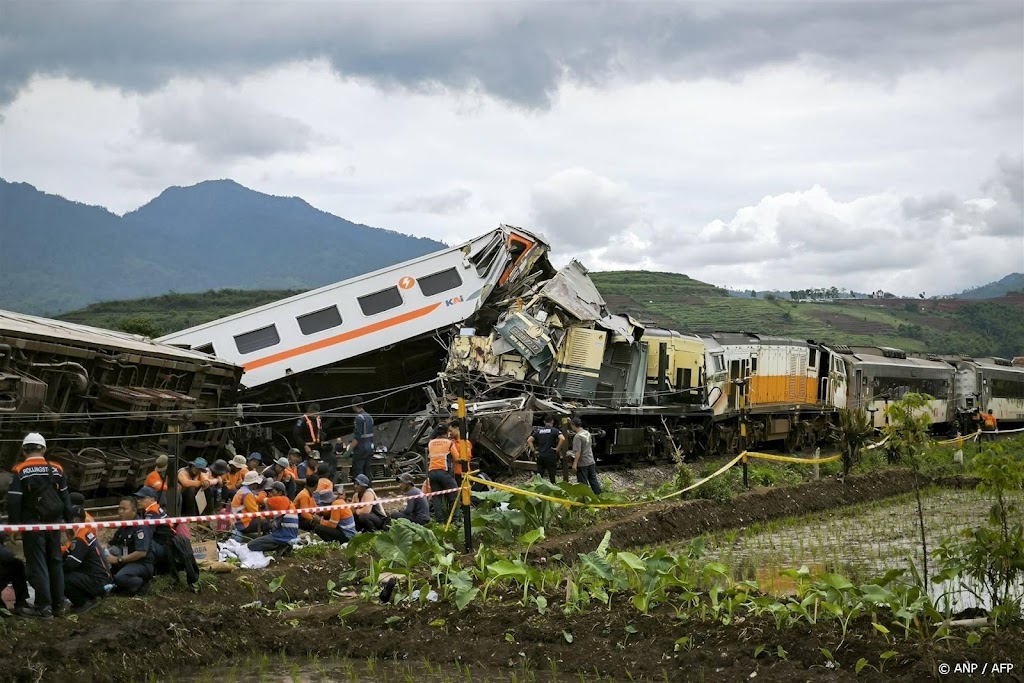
[460, 391]
[741, 387]
[173, 509]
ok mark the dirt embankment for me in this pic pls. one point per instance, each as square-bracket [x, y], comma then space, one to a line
[653, 524]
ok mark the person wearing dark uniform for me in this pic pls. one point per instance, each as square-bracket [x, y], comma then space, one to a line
[416, 508]
[545, 442]
[163, 534]
[37, 493]
[86, 571]
[12, 571]
[133, 562]
[362, 441]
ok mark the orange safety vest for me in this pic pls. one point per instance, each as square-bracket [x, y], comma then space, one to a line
[240, 503]
[156, 481]
[438, 451]
[313, 436]
[457, 453]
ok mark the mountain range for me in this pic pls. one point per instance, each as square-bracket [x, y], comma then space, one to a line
[57, 255]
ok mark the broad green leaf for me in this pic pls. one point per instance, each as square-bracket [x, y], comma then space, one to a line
[973, 638]
[632, 561]
[861, 663]
[531, 537]
[881, 629]
[828, 653]
[630, 629]
[464, 597]
[542, 604]
[567, 636]
[758, 651]
[347, 611]
[331, 585]
[602, 548]
[275, 585]
[838, 581]
[889, 654]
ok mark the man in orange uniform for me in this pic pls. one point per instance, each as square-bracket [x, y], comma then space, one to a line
[460, 460]
[305, 500]
[233, 479]
[337, 525]
[439, 472]
[191, 482]
[156, 479]
[245, 501]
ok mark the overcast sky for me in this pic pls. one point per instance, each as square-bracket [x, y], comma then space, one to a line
[770, 145]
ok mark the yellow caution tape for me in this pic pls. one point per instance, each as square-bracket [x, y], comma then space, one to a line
[786, 458]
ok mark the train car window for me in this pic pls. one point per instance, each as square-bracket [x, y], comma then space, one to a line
[1007, 388]
[812, 361]
[687, 379]
[719, 361]
[440, 282]
[318, 321]
[381, 301]
[257, 339]
[898, 387]
[753, 366]
[205, 348]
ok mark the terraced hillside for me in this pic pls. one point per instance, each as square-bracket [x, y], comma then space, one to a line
[992, 327]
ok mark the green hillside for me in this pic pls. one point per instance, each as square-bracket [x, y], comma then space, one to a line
[677, 302]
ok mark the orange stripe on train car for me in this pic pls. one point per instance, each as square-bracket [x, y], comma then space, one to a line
[343, 337]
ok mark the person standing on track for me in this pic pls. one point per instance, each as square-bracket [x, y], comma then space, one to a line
[39, 494]
[362, 441]
[546, 441]
[583, 463]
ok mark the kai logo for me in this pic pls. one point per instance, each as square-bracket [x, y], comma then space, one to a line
[406, 282]
[453, 301]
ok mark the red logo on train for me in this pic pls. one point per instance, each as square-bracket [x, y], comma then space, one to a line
[406, 282]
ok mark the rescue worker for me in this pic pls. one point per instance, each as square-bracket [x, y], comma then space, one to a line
[545, 442]
[233, 479]
[280, 471]
[156, 479]
[215, 494]
[78, 499]
[370, 516]
[245, 500]
[284, 529]
[583, 463]
[291, 480]
[439, 472]
[255, 462]
[305, 500]
[86, 571]
[309, 432]
[131, 553]
[989, 424]
[163, 534]
[308, 466]
[339, 523]
[191, 482]
[12, 571]
[460, 460]
[38, 493]
[416, 508]
[361, 444]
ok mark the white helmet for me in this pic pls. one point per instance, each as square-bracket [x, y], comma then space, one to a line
[34, 439]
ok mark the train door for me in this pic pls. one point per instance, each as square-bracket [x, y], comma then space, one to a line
[734, 388]
[824, 377]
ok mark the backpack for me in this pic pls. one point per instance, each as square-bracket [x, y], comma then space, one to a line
[182, 557]
[49, 506]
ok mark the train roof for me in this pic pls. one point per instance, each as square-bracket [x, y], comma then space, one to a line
[747, 338]
[20, 325]
[501, 229]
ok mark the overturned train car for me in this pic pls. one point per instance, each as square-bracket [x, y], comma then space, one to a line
[108, 402]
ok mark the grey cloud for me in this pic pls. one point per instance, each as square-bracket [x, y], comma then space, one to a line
[220, 127]
[582, 210]
[443, 203]
[930, 207]
[517, 51]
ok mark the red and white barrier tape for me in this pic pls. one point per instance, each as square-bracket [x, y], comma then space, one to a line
[119, 523]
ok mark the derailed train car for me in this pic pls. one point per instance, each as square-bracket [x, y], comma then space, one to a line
[108, 402]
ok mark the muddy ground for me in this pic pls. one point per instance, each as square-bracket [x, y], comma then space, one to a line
[175, 632]
[662, 522]
[178, 633]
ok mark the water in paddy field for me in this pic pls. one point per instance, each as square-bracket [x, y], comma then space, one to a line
[860, 542]
[317, 670]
